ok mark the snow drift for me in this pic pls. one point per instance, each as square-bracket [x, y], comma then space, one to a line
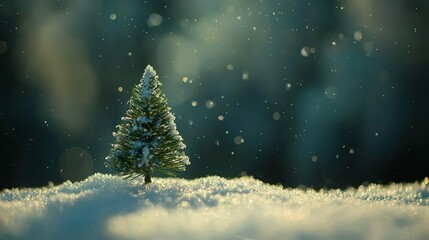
[107, 207]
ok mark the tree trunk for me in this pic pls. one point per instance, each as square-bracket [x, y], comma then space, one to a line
[147, 179]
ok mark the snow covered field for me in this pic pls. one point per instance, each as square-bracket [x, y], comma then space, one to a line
[107, 207]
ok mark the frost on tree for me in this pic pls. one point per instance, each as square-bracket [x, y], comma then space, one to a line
[147, 139]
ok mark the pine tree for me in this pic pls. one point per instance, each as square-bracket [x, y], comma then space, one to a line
[147, 139]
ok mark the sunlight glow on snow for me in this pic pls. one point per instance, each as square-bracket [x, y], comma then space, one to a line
[105, 206]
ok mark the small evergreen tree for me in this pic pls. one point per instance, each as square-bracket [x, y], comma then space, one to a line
[147, 139]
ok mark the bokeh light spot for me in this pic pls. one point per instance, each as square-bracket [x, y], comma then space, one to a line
[154, 20]
[76, 164]
[305, 51]
[3, 47]
[238, 140]
[314, 158]
[210, 104]
[276, 116]
[331, 92]
[357, 36]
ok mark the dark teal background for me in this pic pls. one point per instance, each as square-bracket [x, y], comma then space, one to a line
[322, 93]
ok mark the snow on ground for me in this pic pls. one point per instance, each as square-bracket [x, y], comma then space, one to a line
[107, 207]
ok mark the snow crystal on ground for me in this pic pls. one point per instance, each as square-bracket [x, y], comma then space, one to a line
[107, 207]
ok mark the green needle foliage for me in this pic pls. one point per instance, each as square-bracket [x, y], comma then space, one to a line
[147, 139]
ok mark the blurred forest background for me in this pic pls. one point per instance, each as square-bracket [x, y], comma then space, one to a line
[315, 93]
